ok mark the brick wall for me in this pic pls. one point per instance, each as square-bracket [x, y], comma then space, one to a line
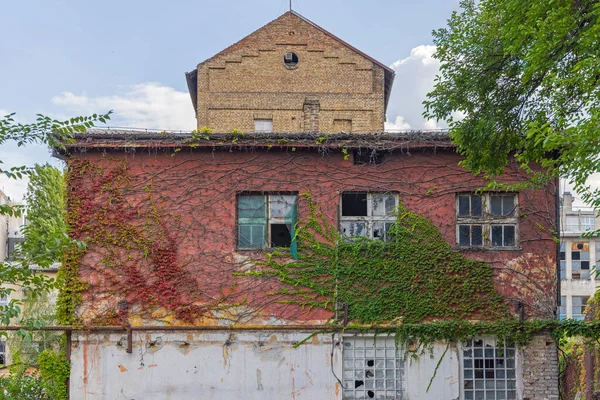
[198, 190]
[250, 77]
[540, 369]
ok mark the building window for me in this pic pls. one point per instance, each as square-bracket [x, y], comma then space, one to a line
[2, 353]
[373, 368]
[563, 261]
[266, 220]
[488, 369]
[562, 310]
[290, 59]
[572, 224]
[367, 156]
[486, 220]
[580, 260]
[369, 215]
[587, 224]
[263, 125]
[578, 307]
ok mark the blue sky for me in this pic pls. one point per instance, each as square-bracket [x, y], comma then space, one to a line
[68, 57]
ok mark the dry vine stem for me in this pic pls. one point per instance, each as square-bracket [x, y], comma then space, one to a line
[158, 214]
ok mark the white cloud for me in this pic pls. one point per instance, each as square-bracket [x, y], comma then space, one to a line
[398, 124]
[414, 79]
[146, 105]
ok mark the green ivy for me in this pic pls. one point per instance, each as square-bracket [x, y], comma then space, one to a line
[414, 285]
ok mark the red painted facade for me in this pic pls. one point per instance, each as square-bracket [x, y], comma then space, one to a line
[183, 205]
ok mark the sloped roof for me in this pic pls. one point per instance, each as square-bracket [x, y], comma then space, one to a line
[192, 76]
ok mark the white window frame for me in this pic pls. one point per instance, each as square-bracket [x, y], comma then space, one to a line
[582, 306]
[268, 220]
[562, 308]
[488, 221]
[372, 367]
[263, 125]
[376, 226]
[587, 223]
[483, 362]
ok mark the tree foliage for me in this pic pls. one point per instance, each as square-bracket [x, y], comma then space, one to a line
[45, 232]
[525, 75]
[44, 130]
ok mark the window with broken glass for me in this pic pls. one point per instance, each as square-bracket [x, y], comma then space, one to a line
[580, 260]
[369, 215]
[265, 221]
[373, 368]
[487, 220]
[488, 369]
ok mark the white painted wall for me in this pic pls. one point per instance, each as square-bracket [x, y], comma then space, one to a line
[236, 366]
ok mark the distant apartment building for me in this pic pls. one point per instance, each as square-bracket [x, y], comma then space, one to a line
[579, 254]
[10, 235]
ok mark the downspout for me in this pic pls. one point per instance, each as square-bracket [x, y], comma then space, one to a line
[557, 234]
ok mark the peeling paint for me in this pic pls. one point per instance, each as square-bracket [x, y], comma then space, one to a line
[122, 368]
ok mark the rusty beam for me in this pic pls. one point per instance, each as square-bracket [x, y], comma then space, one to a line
[117, 328]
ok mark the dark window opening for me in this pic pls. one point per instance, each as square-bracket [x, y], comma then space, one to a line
[354, 204]
[280, 235]
[368, 156]
[290, 59]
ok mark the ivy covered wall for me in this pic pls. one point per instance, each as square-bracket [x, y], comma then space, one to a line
[160, 232]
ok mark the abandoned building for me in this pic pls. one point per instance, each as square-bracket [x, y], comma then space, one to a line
[214, 269]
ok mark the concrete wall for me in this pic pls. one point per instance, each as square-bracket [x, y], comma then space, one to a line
[250, 80]
[241, 365]
[264, 365]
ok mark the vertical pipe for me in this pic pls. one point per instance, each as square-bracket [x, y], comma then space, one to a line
[557, 233]
[68, 343]
[129, 341]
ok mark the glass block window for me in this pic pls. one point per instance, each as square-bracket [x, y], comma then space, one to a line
[487, 220]
[580, 260]
[368, 215]
[373, 368]
[488, 367]
[265, 220]
[578, 307]
[562, 310]
[563, 260]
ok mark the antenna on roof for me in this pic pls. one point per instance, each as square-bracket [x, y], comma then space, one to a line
[290, 5]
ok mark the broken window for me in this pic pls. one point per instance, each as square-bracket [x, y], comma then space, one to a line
[367, 156]
[369, 215]
[266, 220]
[373, 368]
[488, 367]
[486, 220]
[580, 260]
